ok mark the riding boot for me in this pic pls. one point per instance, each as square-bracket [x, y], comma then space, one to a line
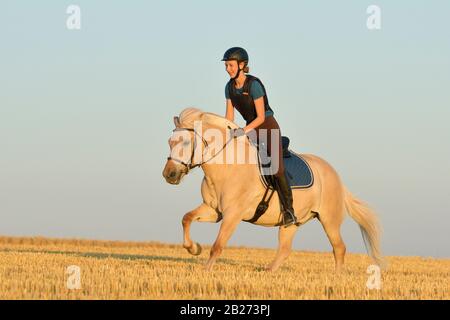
[285, 194]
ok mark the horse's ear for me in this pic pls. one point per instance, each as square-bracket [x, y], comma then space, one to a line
[176, 121]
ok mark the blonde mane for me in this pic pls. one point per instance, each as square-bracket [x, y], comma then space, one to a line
[189, 115]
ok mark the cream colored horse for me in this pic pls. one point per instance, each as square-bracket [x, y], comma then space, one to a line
[231, 193]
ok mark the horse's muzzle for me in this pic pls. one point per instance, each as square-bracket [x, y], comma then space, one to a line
[173, 175]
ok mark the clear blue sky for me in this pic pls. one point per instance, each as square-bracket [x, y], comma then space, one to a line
[85, 115]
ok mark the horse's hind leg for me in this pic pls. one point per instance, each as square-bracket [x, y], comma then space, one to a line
[285, 237]
[332, 229]
[203, 213]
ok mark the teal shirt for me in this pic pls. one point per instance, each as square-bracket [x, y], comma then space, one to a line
[256, 92]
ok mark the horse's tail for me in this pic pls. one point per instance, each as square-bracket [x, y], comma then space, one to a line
[368, 222]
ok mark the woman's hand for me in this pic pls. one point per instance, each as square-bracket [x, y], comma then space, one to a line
[236, 133]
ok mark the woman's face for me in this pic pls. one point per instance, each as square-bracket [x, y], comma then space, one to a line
[231, 67]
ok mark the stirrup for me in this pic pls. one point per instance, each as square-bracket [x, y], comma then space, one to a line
[292, 221]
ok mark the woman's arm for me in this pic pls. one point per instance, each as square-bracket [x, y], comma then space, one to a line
[230, 110]
[260, 115]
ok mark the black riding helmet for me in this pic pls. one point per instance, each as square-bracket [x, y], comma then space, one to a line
[236, 53]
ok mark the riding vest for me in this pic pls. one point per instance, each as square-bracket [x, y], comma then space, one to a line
[244, 102]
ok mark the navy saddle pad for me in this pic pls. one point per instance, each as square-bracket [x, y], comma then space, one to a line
[298, 172]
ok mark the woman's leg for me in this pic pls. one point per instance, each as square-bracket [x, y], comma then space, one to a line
[281, 183]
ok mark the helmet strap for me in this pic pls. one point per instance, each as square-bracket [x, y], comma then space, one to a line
[237, 74]
[239, 70]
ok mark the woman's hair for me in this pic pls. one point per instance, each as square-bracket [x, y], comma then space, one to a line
[246, 68]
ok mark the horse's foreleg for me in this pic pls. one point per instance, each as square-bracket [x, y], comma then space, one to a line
[285, 237]
[226, 230]
[202, 213]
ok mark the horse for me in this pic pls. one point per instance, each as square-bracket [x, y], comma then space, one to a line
[232, 191]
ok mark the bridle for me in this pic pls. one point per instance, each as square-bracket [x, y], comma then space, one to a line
[189, 166]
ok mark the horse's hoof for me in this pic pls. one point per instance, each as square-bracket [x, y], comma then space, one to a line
[196, 249]
[269, 269]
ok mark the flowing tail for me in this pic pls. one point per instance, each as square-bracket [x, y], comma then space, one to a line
[370, 227]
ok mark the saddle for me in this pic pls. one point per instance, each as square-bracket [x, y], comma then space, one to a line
[298, 173]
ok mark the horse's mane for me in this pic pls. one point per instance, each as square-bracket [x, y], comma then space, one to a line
[189, 115]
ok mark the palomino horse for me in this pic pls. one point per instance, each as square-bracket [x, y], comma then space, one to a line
[231, 192]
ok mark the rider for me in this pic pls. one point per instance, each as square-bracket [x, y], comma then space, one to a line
[247, 94]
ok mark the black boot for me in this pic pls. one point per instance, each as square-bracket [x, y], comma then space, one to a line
[285, 195]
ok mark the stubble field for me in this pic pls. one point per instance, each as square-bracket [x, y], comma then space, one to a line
[43, 268]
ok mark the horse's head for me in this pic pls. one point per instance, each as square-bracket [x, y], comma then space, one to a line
[187, 142]
[179, 162]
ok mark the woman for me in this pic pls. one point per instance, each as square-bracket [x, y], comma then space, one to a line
[247, 94]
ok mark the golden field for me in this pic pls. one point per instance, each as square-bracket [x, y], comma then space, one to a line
[36, 268]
